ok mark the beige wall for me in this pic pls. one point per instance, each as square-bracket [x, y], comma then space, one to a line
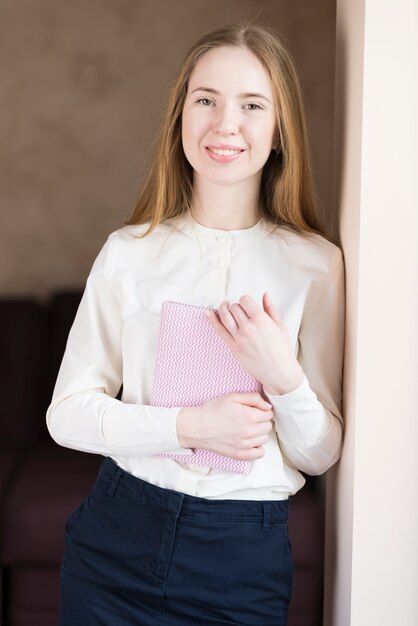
[372, 570]
[82, 87]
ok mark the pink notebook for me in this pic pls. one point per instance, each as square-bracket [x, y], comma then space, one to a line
[193, 365]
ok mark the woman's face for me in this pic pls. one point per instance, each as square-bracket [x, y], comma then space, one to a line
[228, 121]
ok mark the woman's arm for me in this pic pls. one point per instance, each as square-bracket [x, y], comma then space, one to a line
[307, 403]
[308, 420]
[84, 414]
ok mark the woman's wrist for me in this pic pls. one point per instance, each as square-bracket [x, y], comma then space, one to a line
[292, 382]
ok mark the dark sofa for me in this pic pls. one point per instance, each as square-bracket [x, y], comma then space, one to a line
[41, 483]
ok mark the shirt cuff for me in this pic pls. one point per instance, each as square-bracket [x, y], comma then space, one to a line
[178, 449]
[300, 418]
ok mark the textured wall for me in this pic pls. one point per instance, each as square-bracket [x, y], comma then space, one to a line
[82, 88]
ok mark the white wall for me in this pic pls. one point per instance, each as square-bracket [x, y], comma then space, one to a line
[372, 570]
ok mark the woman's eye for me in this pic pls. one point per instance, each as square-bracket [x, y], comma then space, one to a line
[252, 106]
[204, 101]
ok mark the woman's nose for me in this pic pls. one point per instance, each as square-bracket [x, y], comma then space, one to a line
[225, 122]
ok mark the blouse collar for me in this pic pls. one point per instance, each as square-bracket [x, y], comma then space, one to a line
[188, 225]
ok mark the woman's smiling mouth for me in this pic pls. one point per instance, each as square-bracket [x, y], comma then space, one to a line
[223, 153]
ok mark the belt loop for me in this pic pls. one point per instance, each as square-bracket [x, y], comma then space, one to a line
[266, 516]
[115, 482]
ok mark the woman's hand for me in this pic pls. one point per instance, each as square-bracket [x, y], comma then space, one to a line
[235, 425]
[261, 342]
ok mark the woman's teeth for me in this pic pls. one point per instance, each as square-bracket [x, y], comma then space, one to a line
[224, 152]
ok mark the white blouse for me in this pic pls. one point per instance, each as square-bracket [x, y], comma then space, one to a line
[114, 337]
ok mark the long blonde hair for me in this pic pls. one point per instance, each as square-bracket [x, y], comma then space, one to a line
[287, 192]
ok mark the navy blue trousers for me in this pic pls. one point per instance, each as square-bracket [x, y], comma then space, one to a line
[141, 555]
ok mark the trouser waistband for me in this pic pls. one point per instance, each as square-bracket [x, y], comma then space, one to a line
[113, 478]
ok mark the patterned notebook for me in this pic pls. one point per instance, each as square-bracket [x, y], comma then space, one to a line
[193, 365]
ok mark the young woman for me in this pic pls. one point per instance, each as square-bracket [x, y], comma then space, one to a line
[225, 220]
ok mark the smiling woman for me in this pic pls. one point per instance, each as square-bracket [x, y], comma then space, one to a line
[287, 194]
[225, 220]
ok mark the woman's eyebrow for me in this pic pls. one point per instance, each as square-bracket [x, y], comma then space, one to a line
[249, 94]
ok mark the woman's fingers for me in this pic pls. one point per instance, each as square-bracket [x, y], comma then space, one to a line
[272, 312]
[249, 306]
[253, 399]
[223, 323]
[260, 429]
[232, 317]
[255, 442]
[235, 315]
[250, 455]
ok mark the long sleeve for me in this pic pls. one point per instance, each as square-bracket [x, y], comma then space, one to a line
[308, 420]
[84, 413]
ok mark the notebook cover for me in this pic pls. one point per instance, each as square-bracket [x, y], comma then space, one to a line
[193, 365]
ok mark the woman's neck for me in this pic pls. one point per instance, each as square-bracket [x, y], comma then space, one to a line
[226, 207]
